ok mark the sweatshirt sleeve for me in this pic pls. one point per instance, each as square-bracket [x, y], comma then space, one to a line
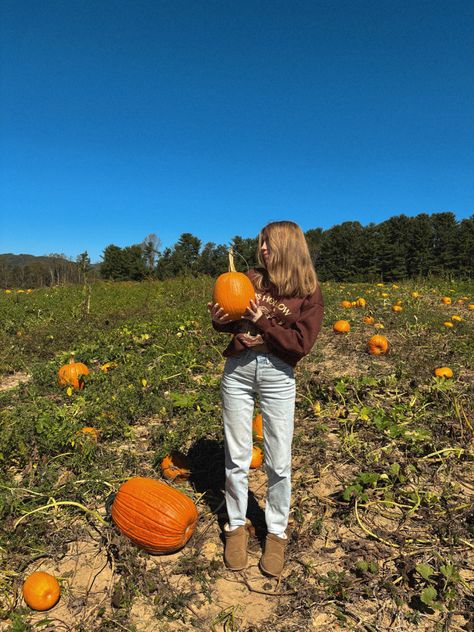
[298, 339]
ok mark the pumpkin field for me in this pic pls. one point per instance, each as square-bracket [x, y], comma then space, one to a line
[381, 530]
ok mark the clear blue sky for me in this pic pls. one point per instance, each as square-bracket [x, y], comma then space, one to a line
[121, 118]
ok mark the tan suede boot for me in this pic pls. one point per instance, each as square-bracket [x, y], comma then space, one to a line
[273, 558]
[235, 552]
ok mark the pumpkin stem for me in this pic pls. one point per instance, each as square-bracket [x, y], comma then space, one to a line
[72, 358]
[231, 260]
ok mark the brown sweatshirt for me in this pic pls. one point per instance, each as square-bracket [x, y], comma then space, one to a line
[288, 328]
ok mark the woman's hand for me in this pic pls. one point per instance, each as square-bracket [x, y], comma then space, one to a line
[217, 313]
[253, 313]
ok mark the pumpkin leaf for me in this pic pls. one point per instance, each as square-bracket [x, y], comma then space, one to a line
[428, 595]
[425, 570]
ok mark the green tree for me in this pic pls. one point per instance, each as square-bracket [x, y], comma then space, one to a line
[465, 251]
[245, 253]
[445, 242]
[212, 260]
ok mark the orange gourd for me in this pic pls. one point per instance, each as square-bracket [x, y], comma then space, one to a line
[369, 320]
[346, 304]
[154, 515]
[233, 291]
[397, 308]
[175, 466]
[446, 300]
[41, 591]
[378, 345]
[257, 457]
[72, 374]
[443, 371]
[257, 426]
[341, 327]
[91, 433]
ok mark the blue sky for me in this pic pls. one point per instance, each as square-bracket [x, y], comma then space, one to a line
[120, 118]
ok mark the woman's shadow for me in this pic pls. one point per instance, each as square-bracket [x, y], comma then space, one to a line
[206, 458]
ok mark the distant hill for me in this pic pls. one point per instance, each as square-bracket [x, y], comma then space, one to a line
[36, 271]
[18, 261]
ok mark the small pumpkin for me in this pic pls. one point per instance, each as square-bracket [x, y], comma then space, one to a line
[341, 327]
[346, 304]
[448, 324]
[155, 516]
[456, 318]
[397, 308]
[415, 294]
[175, 466]
[257, 426]
[41, 591]
[470, 306]
[233, 291]
[107, 366]
[368, 320]
[72, 374]
[378, 345]
[361, 302]
[446, 300]
[91, 433]
[443, 371]
[257, 457]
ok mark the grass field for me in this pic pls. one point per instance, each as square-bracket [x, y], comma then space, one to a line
[382, 526]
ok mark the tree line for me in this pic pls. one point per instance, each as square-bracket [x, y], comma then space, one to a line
[399, 248]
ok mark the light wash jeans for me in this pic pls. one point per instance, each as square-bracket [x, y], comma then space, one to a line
[245, 376]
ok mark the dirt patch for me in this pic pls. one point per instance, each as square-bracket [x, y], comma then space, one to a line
[8, 382]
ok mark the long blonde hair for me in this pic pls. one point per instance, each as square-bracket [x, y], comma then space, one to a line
[289, 269]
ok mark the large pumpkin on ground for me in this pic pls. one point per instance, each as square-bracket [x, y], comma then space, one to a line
[257, 457]
[378, 345]
[233, 291]
[257, 426]
[154, 515]
[72, 374]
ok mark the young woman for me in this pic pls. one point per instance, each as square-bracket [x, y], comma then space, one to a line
[278, 329]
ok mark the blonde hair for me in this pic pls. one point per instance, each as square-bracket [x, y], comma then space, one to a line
[289, 269]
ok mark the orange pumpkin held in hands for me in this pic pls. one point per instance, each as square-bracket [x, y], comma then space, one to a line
[233, 291]
[378, 345]
[175, 466]
[341, 327]
[71, 374]
[41, 591]
[443, 371]
[257, 457]
[154, 515]
[257, 426]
